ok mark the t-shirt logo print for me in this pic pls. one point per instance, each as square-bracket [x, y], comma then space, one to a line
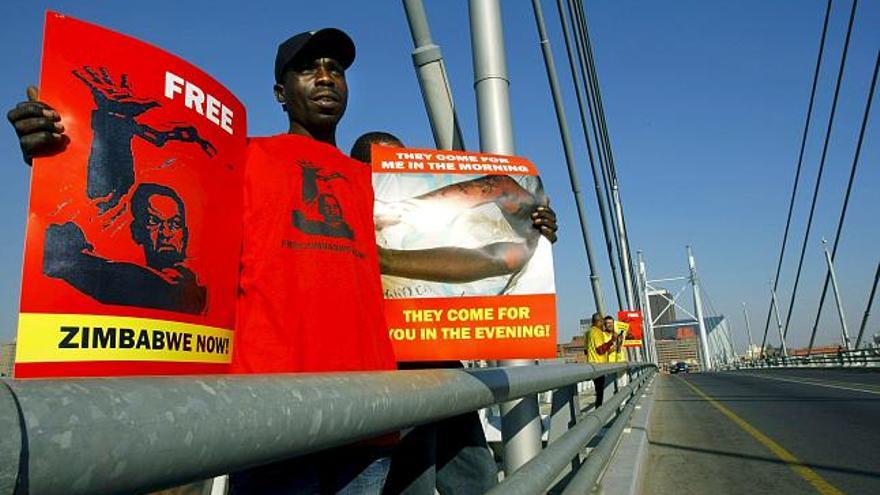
[318, 203]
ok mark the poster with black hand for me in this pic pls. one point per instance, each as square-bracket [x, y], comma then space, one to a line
[133, 234]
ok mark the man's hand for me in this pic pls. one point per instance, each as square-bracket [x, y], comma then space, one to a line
[544, 220]
[111, 97]
[607, 347]
[38, 126]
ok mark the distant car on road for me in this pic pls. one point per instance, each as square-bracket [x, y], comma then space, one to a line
[679, 368]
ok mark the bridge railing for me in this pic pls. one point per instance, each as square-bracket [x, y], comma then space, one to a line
[133, 435]
[861, 358]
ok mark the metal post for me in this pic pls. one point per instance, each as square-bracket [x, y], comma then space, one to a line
[836, 295]
[624, 246]
[11, 448]
[698, 306]
[520, 420]
[431, 72]
[490, 77]
[643, 294]
[778, 321]
[868, 308]
[748, 331]
[598, 296]
[645, 349]
[648, 317]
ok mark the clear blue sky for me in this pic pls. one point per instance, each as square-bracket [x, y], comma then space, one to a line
[705, 104]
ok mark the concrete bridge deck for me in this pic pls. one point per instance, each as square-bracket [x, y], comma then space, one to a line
[779, 432]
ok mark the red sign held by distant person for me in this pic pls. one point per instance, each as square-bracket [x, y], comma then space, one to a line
[634, 334]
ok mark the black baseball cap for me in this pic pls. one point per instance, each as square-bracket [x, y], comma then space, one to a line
[328, 41]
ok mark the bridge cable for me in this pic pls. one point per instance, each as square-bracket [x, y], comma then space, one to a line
[612, 167]
[581, 38]
[797, 174]
[837, 85]
[713, 309]
[577, 27]
[600, 130]
[610, 240]
[852, 175]
[868, 308]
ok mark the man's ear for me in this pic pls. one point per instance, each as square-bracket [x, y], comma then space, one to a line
[279, 94]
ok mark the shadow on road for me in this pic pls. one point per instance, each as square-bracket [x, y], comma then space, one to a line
[762, 398]
[702, 450]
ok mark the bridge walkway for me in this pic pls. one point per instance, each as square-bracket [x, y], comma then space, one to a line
[779, 431]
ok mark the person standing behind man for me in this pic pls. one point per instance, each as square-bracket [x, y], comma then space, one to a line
[450, 456]
[619, 353]
[600, 349]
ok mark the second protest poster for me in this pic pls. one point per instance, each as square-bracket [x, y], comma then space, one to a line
[465, 273]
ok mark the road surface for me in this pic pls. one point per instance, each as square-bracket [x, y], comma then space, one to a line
[775, 431]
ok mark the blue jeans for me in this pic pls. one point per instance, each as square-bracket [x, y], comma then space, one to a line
[341, 471]
[451, 455]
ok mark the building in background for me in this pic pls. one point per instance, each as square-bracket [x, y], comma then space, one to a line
[678, 341]
[753, 352]
[672, 351]
[585, 326]
[820, 349]
[662, 310]
[7, 359]
[572, 351]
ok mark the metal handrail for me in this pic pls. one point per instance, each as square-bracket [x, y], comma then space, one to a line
[588, 473]
[123, 435]
[538, 474]
[869, 357]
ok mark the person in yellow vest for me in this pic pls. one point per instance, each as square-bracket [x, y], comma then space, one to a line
[599, 347]
[618, 330]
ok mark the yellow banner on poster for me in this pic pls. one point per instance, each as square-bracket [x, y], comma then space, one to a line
[49, 337]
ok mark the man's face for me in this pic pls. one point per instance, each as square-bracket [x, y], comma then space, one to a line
[330, 208]
[609, 325]
[315, 93]
[166, 232]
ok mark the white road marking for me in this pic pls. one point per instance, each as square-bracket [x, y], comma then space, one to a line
[814, 382]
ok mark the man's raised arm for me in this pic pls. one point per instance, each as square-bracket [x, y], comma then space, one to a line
[455, 264]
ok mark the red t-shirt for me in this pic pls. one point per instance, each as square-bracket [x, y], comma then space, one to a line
[311, 294]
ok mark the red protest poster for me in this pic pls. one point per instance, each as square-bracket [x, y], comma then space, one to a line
[133, 233]
[633, 319]
[465, 274]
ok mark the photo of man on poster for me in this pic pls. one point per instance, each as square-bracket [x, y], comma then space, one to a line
[158, 214]
[159, 226]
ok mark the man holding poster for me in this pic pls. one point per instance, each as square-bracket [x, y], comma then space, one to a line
[307, 224]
